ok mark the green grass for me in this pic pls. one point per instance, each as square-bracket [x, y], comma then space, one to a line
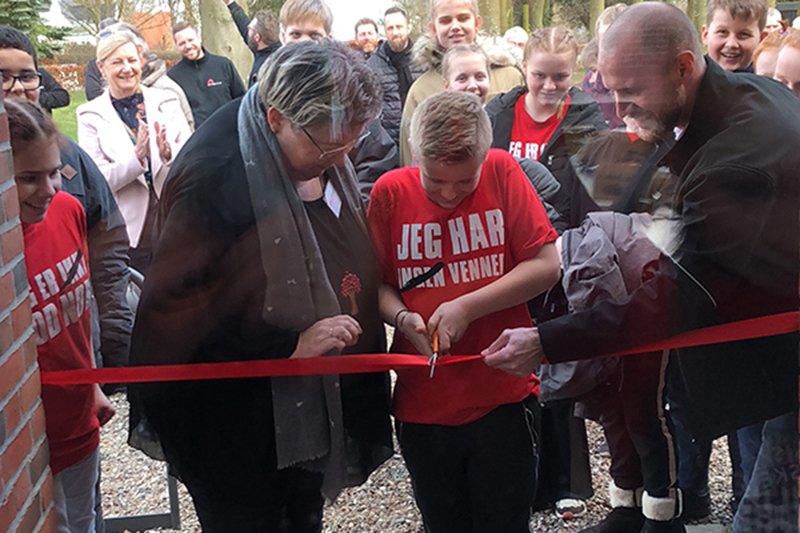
[65, 117]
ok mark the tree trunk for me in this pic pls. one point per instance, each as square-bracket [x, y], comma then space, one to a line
[221, 37]
[595, 8]
[537, 14]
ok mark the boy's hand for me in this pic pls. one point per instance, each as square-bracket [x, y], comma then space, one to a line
[413, 327]
[103, 408]
[451, 320]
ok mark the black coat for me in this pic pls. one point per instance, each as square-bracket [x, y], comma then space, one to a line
[581, 122]
[209, 83]
[390, 82]
[203, 301]
[737, 199]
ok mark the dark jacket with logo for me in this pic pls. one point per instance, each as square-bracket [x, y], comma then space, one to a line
[581, 122]
[737, 199]
[209, 83]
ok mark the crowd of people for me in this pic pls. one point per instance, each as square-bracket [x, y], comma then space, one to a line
[462, 190]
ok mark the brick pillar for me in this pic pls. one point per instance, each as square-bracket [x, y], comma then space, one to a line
[26, 485]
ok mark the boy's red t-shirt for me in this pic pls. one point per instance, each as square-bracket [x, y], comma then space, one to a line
[529, 138]
[497, 226]
[61, 305]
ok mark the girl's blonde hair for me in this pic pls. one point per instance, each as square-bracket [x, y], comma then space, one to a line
[462, 50]
[433, 5]
[553, 39]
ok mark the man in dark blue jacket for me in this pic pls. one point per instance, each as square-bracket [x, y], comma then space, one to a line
[209, 81]
[395, 67]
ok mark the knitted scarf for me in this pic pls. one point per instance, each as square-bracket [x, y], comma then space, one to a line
[309, 430]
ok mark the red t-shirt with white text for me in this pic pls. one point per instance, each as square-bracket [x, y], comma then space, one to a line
[61, 303]
[529, 138]
[499, 225]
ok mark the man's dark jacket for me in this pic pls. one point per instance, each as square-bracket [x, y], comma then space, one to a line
[209, 83]
[381, 63]
[737, 198]
[241, 20]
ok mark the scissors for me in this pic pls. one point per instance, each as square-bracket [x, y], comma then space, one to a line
[435, 357]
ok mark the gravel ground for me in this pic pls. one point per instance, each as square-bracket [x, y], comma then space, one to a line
[133, 484]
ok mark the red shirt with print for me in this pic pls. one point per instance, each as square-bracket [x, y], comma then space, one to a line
[56, 259]
[499, 225]
[529, 138]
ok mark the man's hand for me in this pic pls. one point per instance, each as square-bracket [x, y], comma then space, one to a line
[516, 351]
[103, 408]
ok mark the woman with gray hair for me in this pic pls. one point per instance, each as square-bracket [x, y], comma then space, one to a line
[264, 253]
[132, 133]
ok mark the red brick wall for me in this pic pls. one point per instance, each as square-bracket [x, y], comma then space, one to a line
[26, 486]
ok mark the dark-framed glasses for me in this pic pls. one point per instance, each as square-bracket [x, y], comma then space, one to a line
[30, 81]
[323, 154]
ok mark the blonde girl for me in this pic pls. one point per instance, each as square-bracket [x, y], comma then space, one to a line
[548, 119]
[451, 22]
[465, 68]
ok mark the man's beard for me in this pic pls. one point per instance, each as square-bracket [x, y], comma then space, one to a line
[251, 42]
[398, 46]
[651, 127]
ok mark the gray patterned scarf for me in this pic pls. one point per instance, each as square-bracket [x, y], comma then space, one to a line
[309, 430]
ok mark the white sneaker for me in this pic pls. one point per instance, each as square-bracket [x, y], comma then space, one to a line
[570, 508]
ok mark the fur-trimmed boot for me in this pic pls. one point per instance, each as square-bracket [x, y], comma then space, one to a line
[662, 515]
[626, 515]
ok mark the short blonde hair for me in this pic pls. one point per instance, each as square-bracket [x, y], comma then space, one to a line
[608, 16]
[462, 50]
[746, 10]
[450, 127]
[554, 40]
[790, 41]
[433, 6]
[318, 11]
[589, 54]
[108, 44]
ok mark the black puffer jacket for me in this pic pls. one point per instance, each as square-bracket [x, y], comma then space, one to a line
[582, 121]
[381, 63]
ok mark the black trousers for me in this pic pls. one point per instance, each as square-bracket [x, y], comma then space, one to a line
[219, 437]
[479, 477]
[639, 434]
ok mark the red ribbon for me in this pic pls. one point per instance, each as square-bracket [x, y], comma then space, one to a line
[354, 364]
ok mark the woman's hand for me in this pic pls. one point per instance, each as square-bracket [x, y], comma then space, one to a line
[328, 334]
[451, 320]
[412, 325]
[102, 406]
[142, 147]
[164, 148]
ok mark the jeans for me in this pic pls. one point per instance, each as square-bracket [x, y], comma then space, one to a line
[770, 501]
[74, 495]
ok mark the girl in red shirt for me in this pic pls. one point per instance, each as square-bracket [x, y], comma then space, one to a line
[54, 233]
[547, 119]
